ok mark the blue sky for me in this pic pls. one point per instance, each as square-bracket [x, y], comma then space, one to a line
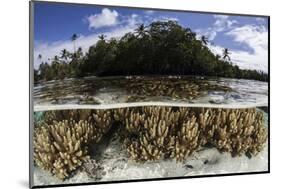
[54, 23]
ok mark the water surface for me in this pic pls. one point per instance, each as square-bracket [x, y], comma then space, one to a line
[110, 92]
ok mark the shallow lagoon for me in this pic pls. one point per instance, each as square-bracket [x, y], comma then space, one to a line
[117, 92]
[110, 92]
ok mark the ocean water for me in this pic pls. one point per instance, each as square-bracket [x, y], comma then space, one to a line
[113, 92]
[116, 165]
[109, 93]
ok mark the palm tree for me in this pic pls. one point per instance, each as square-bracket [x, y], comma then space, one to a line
[218, 57]
[190, 33]
[64, 54]
[56, 58]
[102, 37]
[40, 58]
[56, 66]
[226, 54]
[141, 30]
[204, 40]
[79, 52]
[74, 38]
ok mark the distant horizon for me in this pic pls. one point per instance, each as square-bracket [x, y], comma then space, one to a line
[246, 37]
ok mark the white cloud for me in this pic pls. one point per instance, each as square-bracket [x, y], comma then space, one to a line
[165, 18]
[261, 20]
[125, 25]
[49, 50]
[244, 59]
[149, 12]
[255, 37]
[222, 23]
[219, 16]
[132, 20]
[210, 33]
[104, 19]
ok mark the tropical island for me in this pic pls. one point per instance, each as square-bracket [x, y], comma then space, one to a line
[160, 48]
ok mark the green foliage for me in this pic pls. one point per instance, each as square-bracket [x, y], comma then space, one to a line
[161, 48]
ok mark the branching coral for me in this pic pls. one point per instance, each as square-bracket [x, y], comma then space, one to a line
[154, 127]
[240, 131]
[62, 147]
[187, 139]
[148, 133]
[102, 120]
[121, 114]
[187, 89]
[52, 116]
[153, 133]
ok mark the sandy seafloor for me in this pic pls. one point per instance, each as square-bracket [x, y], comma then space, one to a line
[117, 166]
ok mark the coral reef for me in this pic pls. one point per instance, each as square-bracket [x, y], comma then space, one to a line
[239, 131]
[176, 89]
[62, 146]
[153, 133]
[102, 119]
[62, 140]
[53, 116]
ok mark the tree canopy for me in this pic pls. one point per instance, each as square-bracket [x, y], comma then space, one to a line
[161, 48]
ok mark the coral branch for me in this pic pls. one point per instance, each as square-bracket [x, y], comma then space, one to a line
[62, 147]
[150, 133]
[153, 133]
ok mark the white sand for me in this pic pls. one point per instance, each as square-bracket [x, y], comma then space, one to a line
[117, 166]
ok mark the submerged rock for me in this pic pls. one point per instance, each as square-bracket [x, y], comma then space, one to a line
[93, 169]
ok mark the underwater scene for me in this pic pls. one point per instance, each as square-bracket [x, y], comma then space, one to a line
[122, 94]
[114, 139]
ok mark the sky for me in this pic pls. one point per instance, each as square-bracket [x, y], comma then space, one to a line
[246, 37]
